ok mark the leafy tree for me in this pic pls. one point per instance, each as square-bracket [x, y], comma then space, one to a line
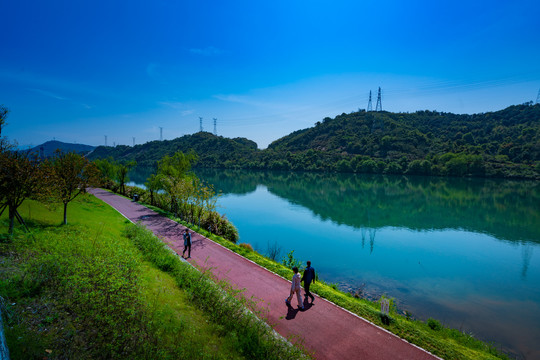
[107, 170]
[121, 172]
[71, 174]
[173, 172]
[20, 178]
[153, 184]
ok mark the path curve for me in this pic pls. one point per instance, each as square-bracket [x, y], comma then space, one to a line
[327, 330]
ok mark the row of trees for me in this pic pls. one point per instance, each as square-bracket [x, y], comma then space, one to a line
[63, 177]
[174, 188]
[57, 180]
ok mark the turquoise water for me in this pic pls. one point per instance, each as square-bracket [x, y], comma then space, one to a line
[463, 251]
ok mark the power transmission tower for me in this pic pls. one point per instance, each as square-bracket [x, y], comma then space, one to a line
[215, 127]
[133, 142]
[105, 140]
[538, 97]
[200, 124]
[369, 102]
[378, 107]
[160, 133]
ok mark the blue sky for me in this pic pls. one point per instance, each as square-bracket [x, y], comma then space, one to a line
[79, 70]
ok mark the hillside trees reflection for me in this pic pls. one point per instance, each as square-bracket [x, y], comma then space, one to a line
[508, 210]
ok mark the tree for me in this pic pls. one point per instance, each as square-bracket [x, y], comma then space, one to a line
[153, 184]
[20, 178]
[172, 171]
[122, 170]
[107, 170]
[4, 111]
[71, 174]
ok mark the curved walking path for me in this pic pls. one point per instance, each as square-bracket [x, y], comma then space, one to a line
[328, 331]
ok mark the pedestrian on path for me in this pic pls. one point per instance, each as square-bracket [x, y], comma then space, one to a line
[295, 288]
[307, 278]
[187, 243]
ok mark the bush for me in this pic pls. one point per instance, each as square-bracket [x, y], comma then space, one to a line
[434, 324]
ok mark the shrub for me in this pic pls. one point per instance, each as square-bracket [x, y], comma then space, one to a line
[434, 324]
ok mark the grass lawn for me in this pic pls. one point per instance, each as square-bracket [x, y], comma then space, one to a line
[87, 291]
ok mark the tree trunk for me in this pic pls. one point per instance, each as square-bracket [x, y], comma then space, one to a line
[11, 220]
[65, 213]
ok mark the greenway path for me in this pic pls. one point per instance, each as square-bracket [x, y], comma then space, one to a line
[326, 330]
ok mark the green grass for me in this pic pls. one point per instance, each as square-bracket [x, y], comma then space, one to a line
[87, 291]
[442, 341]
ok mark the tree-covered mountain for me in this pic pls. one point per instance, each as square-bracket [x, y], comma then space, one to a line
[504, 143]
[212, 151]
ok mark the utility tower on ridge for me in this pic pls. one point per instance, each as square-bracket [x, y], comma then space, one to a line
[105, 140]
[200, 124]
[538, 97]
[215, 126]
[134, 142]
[378, 107]
[369, 102]
[160, 133]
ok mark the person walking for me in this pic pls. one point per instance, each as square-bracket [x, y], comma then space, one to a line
[307, 278]
[187, 243]
[295, 288]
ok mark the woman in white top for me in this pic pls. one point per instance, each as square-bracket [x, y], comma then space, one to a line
[295, 288]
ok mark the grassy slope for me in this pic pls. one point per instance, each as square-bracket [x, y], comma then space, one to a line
[71, 283]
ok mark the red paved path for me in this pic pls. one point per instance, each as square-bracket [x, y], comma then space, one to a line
[328, 331]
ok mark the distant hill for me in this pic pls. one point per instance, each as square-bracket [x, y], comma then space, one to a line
[212, 150]
[50, 147]
[504, 143]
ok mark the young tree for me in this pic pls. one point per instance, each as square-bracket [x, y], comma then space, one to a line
[107, 171]
[173, 171]
[71, 174]
[153, 184]
[122, 170]
[20, 178]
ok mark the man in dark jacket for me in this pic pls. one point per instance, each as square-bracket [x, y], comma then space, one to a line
[187, 243]
[307, 278]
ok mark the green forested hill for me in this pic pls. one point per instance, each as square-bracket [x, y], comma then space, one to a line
[212, 151]
[505, 143]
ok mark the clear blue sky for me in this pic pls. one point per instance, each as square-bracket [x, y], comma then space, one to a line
[79, 70]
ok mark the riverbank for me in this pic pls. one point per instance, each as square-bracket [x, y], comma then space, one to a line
[450, 344]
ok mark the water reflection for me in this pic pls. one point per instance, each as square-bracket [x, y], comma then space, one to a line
[508, 210]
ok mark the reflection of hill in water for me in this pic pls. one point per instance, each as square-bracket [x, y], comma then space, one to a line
[506, 209]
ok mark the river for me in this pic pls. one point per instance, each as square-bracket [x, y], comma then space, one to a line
[463, 251]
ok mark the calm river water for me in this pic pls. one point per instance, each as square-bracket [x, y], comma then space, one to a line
[463, 251]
